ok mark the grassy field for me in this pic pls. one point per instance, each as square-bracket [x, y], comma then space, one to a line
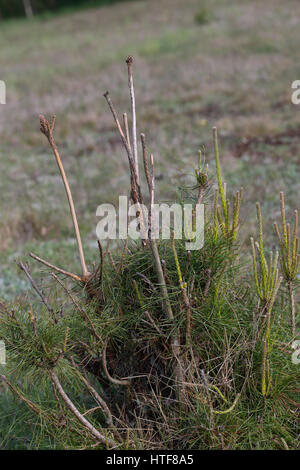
[197, 64]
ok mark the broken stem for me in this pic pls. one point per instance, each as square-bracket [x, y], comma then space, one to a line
[129, 62]
[95, 433]
[59, 270]
[47, 130]
[110, 378]
[102, 404]
[35, 287]
[125, 121]
[79, 308]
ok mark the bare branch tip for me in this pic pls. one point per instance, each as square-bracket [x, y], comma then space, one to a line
[53, 122]
[44, 125]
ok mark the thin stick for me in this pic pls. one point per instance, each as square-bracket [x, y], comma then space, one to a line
[155, 253]
[145, 278]
[95, 394]
[166, 304]
[151, 194]
[59, 270]
[145, 160]
[95, 433]
[35, 287]
[125, 121]
[165, 271]
[135, 187]
[47, 129]
[79, 308]
[110, 378]
[29, 403]
[136, 193]
[200, 195]
[116, 119]
[129, 62]
[292, 299]
[97, 270]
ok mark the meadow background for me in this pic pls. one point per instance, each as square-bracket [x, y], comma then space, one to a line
[198, 64]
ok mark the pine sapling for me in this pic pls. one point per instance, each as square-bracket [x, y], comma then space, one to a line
[267, 282]
[229, 224]
[289, 256]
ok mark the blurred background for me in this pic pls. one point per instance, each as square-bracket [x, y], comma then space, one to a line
[198, 64]
[29, 8]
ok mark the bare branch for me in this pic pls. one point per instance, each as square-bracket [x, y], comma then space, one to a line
[29, 403]
[123, 138]
[145, 160]
[125, 121]
[175, 342]
[95, 433]
[110, 378]
[59, 270]
[102, 404]
[129, 62]
[47, 129]
[79, 308]
[135, 187]
[35, 287]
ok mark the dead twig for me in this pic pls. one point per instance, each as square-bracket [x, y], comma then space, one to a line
[129, 62]
[59, 270]
[175, 343]
[16, 392]
[145, 278]
[25, 269]
[125, 122]
[145, 160]
[102, 404]
[135, 188]
[110, 378]
[47, 129]
[79, 308]
[132, 154]
[93, 431]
